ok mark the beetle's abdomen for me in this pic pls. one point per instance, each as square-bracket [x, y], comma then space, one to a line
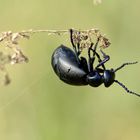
[67, 66]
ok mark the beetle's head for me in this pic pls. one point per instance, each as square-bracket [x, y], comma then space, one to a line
[108, 77]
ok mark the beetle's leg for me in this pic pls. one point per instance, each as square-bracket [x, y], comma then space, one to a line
[78, 46]
[98, 56]
[100, 70]
[100, 61]
[84, 64]
[90, 59]
[95, 46]
[71, 39]
[106, 58]
[76, 49]
[125, 64]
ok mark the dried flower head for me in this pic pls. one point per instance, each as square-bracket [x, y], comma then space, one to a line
[15, 54]
[4, 77]
[88, 37]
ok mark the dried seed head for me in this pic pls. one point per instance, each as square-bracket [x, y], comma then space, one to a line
[18, 57]
[88, 37]
[15, 55]
[104, 42]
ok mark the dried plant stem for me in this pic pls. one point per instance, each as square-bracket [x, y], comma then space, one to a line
[84, 36]
[57, 32]
[46, 31]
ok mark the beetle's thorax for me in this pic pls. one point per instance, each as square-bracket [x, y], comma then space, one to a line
[94, 79]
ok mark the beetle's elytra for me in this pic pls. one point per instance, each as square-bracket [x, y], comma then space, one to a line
[75, 70]
[68, 67]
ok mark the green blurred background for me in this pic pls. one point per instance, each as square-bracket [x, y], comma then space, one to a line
[38, 106]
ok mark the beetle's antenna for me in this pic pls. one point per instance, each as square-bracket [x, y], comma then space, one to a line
[128, 91]
[129, 63]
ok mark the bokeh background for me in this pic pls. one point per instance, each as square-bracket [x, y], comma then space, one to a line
[38, 106]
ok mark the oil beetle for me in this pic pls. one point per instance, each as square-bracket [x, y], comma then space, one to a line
[75, 70]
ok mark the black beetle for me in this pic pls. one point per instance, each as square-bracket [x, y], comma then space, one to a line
[75, 70]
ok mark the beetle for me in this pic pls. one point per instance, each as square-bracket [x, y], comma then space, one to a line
[75, 70]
